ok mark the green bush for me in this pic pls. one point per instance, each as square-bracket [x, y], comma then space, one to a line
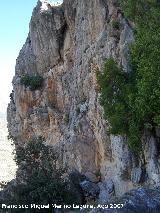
[139, 10]
[78, 109]
[131, 101]
[116, 25]
[145, 100]
[116, 88]
[34, 82]
[43, 178]
[113, 89]
[66, 118]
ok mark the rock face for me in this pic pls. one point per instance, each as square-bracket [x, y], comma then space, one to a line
[135, 201]
[140, 200]
[66, 45]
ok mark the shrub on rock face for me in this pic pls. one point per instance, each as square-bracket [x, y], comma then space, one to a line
[112, 84]
[116, 25]
[34, 82]
[66, 118]
[131, 101]
[116, 88]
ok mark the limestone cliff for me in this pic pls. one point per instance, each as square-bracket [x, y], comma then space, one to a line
[66, 45]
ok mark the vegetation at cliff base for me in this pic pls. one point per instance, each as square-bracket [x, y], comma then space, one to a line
[34, 82]
[43, 180]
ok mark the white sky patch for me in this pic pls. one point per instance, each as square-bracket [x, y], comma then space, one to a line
[6, 75]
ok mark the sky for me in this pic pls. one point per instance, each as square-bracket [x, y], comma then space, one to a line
[14, 27]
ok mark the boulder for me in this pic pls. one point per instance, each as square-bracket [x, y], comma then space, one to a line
[90, 189]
